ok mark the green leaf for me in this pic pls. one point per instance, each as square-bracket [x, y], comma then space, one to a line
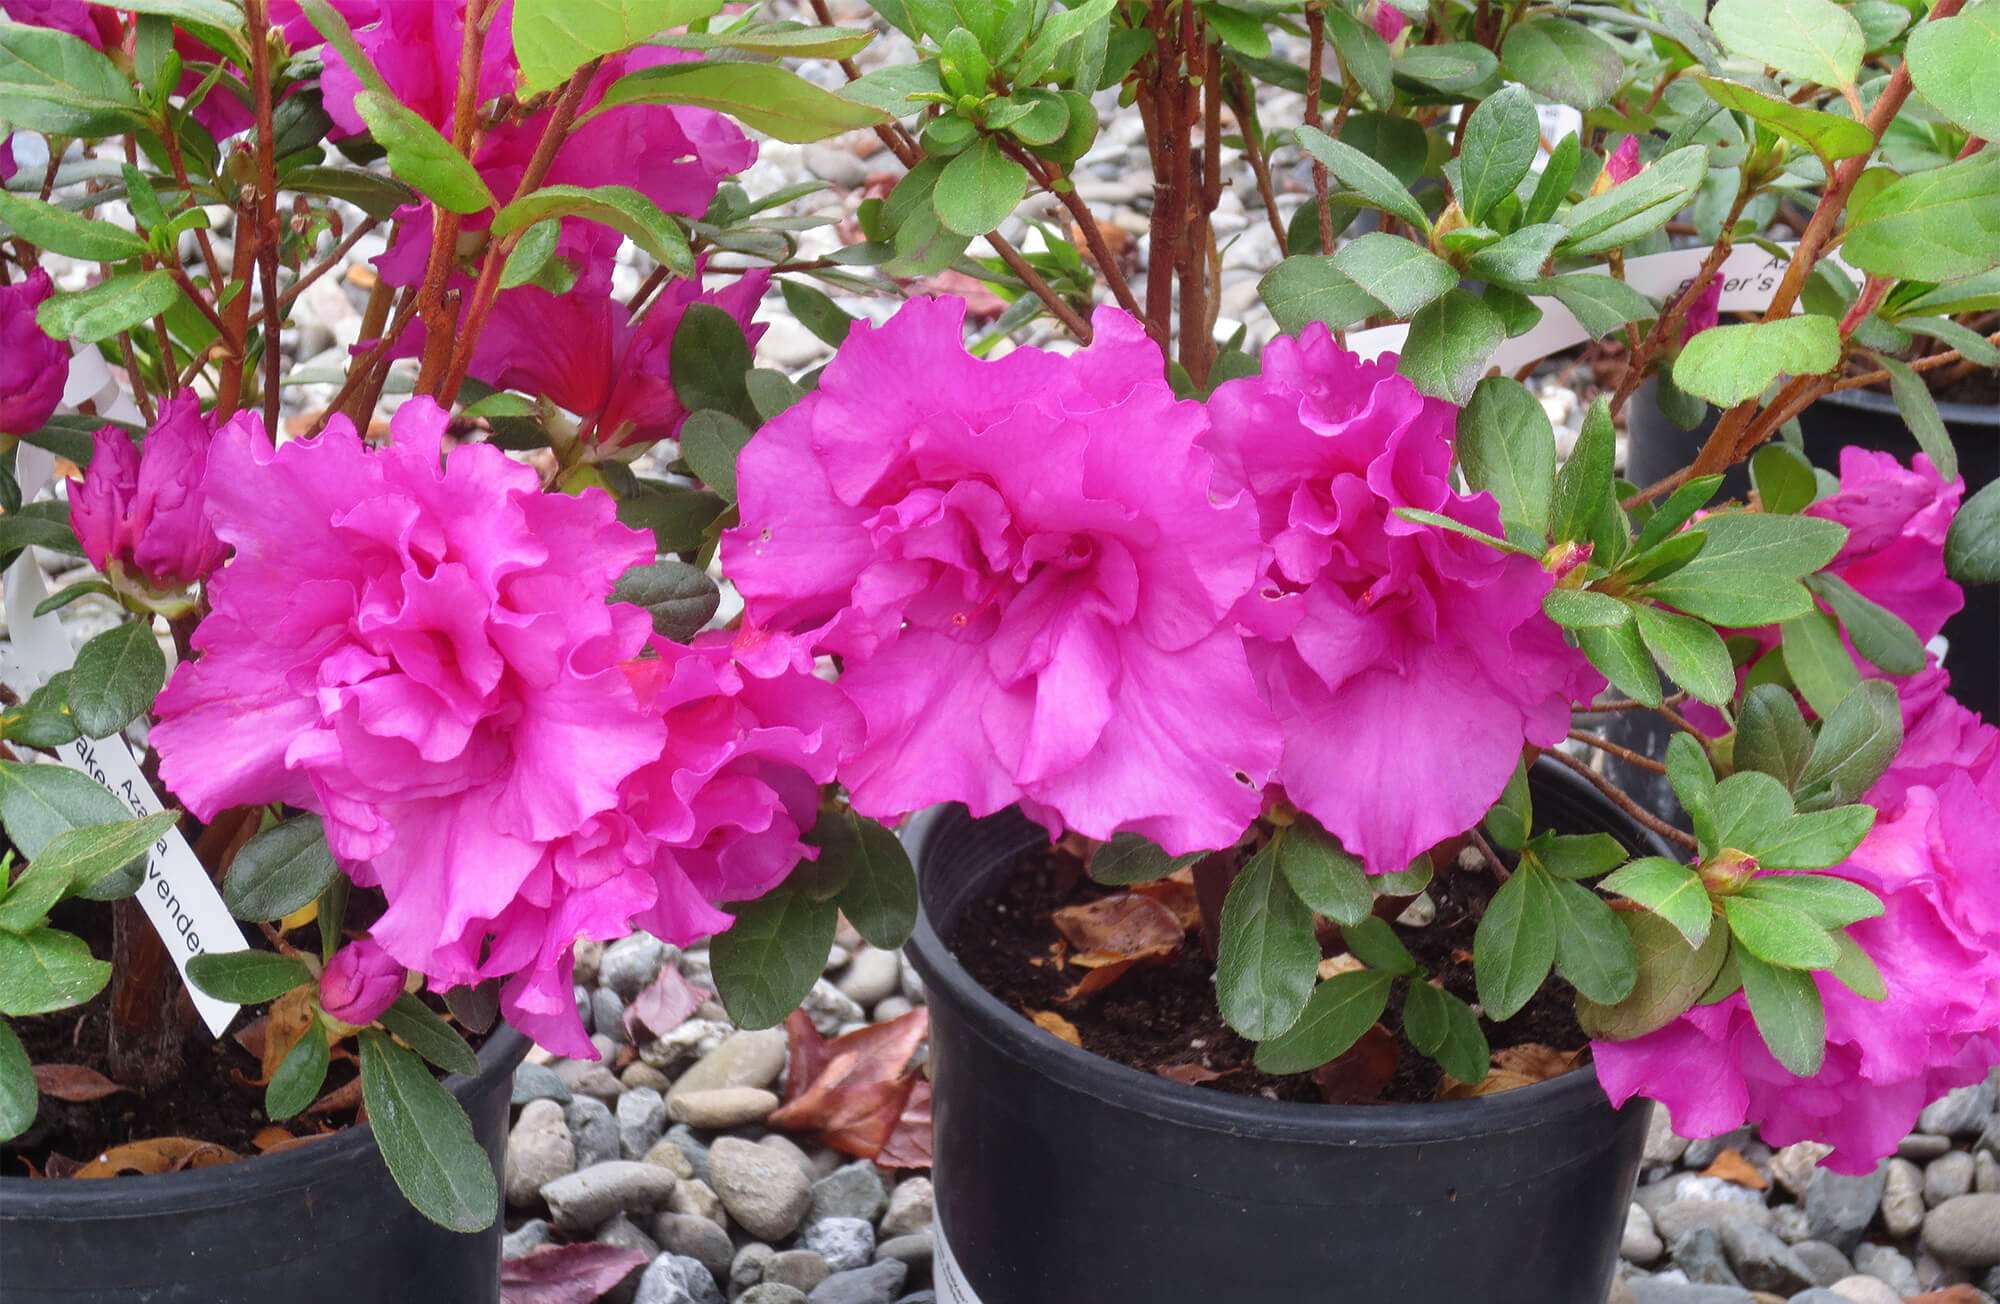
[1690, 651]
[1808, 40]
[1672, 976]
[246, 977]
[1129, 858]
[85, 857]
[19, 1098]
[1375, 184]
[1592, 950]
[1621, 656]
[1579, 856]
[816, 312]
[1516, 944]
[1363, 52]
[1772, 735]
[43, 970]
[1784, 479]
[280, 871]
[424, 1031]
[678, 517]
[1830, 902]
[426, 1139]
[1324, 874]
[1828, 135]
[1501, 139]
[1819, 663]
[710, 358]
[1512, 817]
[1970, 343]
[421, 156]
[62, 232]
[1238, 30]
[1951, 61]
[103, 310]
[1727, 364]
[1584, 609]
[679, 597]
[979, 189]
[117, 676]
[1856, 746]
[711, 441]
[1268, 955]
[1453, 66]
[1376, 945]
[1692, 778]
[1680, 507]
[44, 719]
[770, 957]
[1744, 575]
[556, 37]
[70, 593]
[1308, 288]
[376, 195]
[1972, 548]
[1517, 258]
[1750, 808]
[762, 96]
[783, 42]
[1920, 413]
[297, 1080]
[1790, 1016]
[1449, 344]
[39, 803]
[1662, 560]
[618, 207]
[1401, 273]
[880, 894]
[1935, 225]
[1583, 486]
[1338, 1012]
[40, 525]
[1563, 60]
[1456, 526]
[1876, 632]
[53, 83]
[1670, 890]
[1445, 1028]
[1638, 207]
[1601, 303]
[1815, 840]
[1779, 934]
[1507, 447]
[1856, 971]
[1553, 187]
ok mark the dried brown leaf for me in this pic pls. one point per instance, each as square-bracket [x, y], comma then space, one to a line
[1124, 926]
[805, 1054]
[160, 1154]
[341, 1098]
[290, 1016]
[1357, 1077]
[1178, 896]
[1097, 980]
[1051, 1022]
[909, 1146]
[854, 1102]
[1731, 1166]
[73, 1082]
[1192, 1075]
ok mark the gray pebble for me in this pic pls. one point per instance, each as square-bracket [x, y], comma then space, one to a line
[1922, 1145]
[1698, 1254]
[778, 1143]
[1839, 1207]
[1985, 1173]
[1949, 1175]
[1790, 1223]
[830, 1009]
[915, 1249]
[1965, 1231]
[1902, 1198]
[588, 952]
[1793, 1167]
[872, 976]
[524, 1240]
[912, 1205]
[1817, 1295]
[696, 1197]
[593, 1131]
[1825, 1263]
[876, 1284]
[771, 1292]
[1662, 1146]
[851, 1191]
[693, 1039]
[746, 1267]
[622, 1232]
[538, 1082]
[1762, 1261]
[538, 1151]
[587, 1197]
[670, 1156]
[918, 1297]
[1991, 1283]
[1673, 1221]
[800, 1269]
[722, 1107]
[1639, 1243]
[742, 1059]
[641, 1074]
[607, 1015]
[642, 1118]
[692, 1146]
[891, 1008]
[588, 1079]
[1659, 1290]
[1863, 1289]
[832, 163]
[630, 963]
[763, 1190]
[1702, 1151]
[844, 1243]
[698, 1238]
[1961, 1111]
[1888, 1265]
[913, 988]
[676, 1279]
[585, 1012]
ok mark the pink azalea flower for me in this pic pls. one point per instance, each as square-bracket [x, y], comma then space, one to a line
[416, 46]
[1407, 664]
[1935, 862]
[1388, 20]
[139, 512]
[33, 367]
[1705, 311]
[580, 351]
[8, 167]
[1622, 164]
[360, 982]
[1896, 521]
[1051, 629]
[98, 24]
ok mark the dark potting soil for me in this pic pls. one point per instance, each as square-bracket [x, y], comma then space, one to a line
[1163, 1016]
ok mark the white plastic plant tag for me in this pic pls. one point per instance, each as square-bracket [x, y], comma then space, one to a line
[946, 1275]
[177, 894]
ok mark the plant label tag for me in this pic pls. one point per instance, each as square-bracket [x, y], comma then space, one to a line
[177, 894]
[946, 1275]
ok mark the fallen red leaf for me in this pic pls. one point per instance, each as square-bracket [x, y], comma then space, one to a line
[1357, 1077]
[251, 1037]
[664, 1005]
[909, 1146]
[805, 1054]
[1097, 980]
[73, 1082]
[855, 1101]
[1192, 1075]
[160, 1154]
[566, 1274]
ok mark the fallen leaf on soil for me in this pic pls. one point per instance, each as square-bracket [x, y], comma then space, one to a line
[1338, 964]
[61, 1166]
[1358, 1076]
[1176, 894]
[251, 1037]
[664, 1005]
[566, 1274]
[1731, 1166]
[270, 1136]
[909, 1146]
[1051, 1022]
[340, 1098]
[1127, 926]
[855, 1102]
[73, 1082]
[1958, 1294]
[1097, 980]
[290, 1016]
[1515, 1066]
[160, 1154]
[1192, 1075]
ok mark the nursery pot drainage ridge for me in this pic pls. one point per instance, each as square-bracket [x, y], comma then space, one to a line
[1064, 1178]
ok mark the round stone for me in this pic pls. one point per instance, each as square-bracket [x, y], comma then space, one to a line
[1964, 1231]
[762, 1189]
[721, 1108]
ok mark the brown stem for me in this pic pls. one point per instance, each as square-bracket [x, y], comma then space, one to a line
[1868, 378]
[358, 374]
[1169, 200]
[332, 260]
[1068, 316]
[1315, 64]
[1625, 754]
[1244, 104]
[1488, 854]
[647, 288]
[1204, 190]
[148, 1030]
[1635, 365]
[1100, 252]
[234, 321]
[1627, 704]
[1621, 801]
[130, 356]
[441, 322]
[1873, 290]
[170, 138]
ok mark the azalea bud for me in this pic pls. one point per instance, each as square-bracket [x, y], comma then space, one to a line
[1388, 20]
[1565, 560]
[1621, 166]
[1725, 873]
[139, 513]
[360, 982]
[1705, 311]
[33, 367]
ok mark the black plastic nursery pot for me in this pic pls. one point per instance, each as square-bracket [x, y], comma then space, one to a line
[320, 1224]
[1063, 1178]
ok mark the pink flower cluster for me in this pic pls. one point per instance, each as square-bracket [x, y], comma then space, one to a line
[419, 647]
[139, 512]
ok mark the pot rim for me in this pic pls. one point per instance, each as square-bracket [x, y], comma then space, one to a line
[1970, 414]
[149, 1195]
[1148, 1094]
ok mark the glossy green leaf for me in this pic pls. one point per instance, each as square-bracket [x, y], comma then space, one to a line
[880, 894]
[1308, 288]
[1972, 548]
[116, 677]
[1511, 819]
[1676, 511]
[764, 96]
[776, 40]
[979, 189]
[1515, 946]
[1951, 61]
[1772, 735]
[1779, 934]
[1451, 66]
[1664, 558]
[297, 1080]
[1828, 135]
[1690, 651]
[19, 1097]
[1789, 1014]
[1672, 976]
[1579, 856]
[768, 960]
[62, 232]
[1855, 747]
[1324, 874]
[1501, 139]
[1621, 656]
[556, 37]
[1401, 273]
[246, 977]
[426, 1139]
[280, 871]
[376, 195]
[1268, 955]
[1563, 60]
[1935, 225]
[1337, 1013]
[1593, 951]
[1450, 343]
[619, 207]
[109, 307]
[1376, 945]
[43, 969]
[54, 83]
[1445, 1028]
[1363, 52]
[1670, 890]
[1638, 207]
[420, 155]
[1553, 186]
[1809, 40]
[1830, 902]
[424, 1031]
[1375, 184]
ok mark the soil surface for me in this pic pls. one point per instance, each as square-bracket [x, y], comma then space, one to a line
[1164, 1016]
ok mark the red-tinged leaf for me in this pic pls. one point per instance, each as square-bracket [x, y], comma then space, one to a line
[1357, 1077]
[664, 1005]
[61, 1166]
[160, 1154]
[251, 1037]
[1126, 926]
[73, 1082]
[1192, 1075]
[909, 1146]
[566, 1274]
[805, 1054]
[854, 1102]
[1097, 980]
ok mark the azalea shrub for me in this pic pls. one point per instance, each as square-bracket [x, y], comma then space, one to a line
[1293, 610]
